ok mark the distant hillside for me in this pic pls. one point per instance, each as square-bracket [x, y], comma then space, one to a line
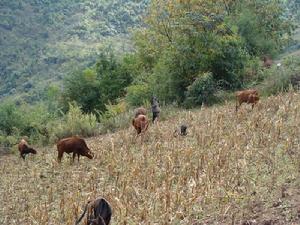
[43, 40]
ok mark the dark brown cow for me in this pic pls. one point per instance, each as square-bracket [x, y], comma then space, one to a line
[98, 212]
[73, 144]
[140, 111]
[247, 96]
[24, 149]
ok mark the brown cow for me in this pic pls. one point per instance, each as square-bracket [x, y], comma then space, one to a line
[140, 111]
[98, 212]
[140, 124]
[73, 144]
[248, 96]
[24, 148]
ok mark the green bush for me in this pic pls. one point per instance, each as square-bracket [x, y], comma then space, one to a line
[201, 91]
[137, 94]
[253, 71]
[24, 120]
[10, 118]
[280, 79]
[115, 116]
[92, 88]
[74, 122]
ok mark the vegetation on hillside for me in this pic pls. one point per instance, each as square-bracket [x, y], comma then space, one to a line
[41, 41]
[188, 53]
[230, 169]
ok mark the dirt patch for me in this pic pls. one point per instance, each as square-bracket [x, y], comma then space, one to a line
[283, 211]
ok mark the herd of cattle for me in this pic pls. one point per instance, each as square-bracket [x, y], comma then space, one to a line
[99, 211]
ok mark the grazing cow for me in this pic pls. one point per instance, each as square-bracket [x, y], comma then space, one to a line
[98, 212]
[140, 124]
[247, 96]
[155, 108]
[182, 131]
[267, 61]
[140, 111]
[24, 149]
[73, 144]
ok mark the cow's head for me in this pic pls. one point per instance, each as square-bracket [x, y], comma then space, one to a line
[253, 98]
[31, 150]
[89, 154]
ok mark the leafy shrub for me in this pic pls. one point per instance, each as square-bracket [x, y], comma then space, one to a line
[24, 120]
[74, 122]
[113, 110]
[92, 88]
[228, 62]
[201, 91]
[253, 71]
[120, 121]
[137, 94]
[11, 118]
[279, 79]
[111, 119]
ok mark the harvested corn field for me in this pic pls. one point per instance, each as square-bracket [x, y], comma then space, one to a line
[231, 168]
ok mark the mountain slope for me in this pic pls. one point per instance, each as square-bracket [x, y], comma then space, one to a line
[41, 41]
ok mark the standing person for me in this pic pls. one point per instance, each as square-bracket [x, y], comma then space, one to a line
[155, 108]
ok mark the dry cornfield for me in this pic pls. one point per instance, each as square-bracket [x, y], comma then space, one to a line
[230, 169]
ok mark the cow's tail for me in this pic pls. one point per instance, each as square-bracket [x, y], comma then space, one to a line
[80, 218]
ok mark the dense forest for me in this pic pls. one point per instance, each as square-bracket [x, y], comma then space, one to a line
[41, 41]
[85, 63]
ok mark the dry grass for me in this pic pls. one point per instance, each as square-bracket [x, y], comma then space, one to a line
[230, 168]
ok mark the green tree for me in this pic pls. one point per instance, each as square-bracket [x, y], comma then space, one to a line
[10, 118]
[94, 87]
[185, 39]
[262, 24]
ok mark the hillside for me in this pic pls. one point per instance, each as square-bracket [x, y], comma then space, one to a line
[41, 41]
[231, 169]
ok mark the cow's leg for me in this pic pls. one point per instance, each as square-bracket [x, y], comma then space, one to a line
[59, 157]
[238, 104]
[23, 156]
[74, 155]
[139, 130]
[78, 156]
